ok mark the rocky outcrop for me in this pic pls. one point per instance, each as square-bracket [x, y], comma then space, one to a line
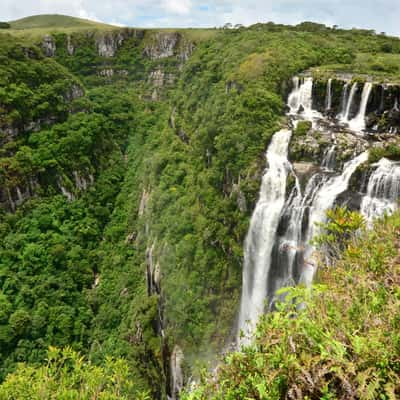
[168, 44]
[107, 72]
[12, 197]
[153, 274]
[159, 78]
[10, 131]
[163, 45]
[70, 46]
[108, 44]
[75, 92]
[49, 46]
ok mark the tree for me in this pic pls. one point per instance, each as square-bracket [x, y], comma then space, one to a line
[67, 375]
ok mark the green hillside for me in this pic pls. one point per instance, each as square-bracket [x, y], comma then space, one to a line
[130, 165]
[52, 21]
[39, 25]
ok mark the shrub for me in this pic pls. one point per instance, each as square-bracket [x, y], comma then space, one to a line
[302, 128]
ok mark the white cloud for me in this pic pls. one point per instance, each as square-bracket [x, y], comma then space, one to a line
[382, 15]
[180, 7]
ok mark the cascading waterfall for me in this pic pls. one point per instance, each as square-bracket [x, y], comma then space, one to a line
[349, 103]
[328, 100]
[302, 217]
[383, 190]
[323, 201]
[358, 123]
[263, 226]
[278, 247]
[329, 160]
[301, 97]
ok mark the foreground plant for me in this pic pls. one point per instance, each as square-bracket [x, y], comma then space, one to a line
[67, 375]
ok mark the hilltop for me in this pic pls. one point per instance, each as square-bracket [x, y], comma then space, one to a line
[54, 21]
[42, 24]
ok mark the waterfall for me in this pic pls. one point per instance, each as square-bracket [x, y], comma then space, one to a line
[345, 117]
[176, 368]
[324, 200]
[261, 236]
[396, 104]
[289, 246]
[328, 100]
[301, 97]
[279, 248]
[383, 190]
[358, 123]
[301, 220]
[344, 100]
[329, 159]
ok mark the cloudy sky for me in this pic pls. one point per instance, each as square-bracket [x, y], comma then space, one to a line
[381, 15]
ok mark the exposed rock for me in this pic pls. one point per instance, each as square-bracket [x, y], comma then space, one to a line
[49, 46]
[154, 95]
[96, 281]
[80, 182]
[309, 147]
[131, 238]
[153, 274]
[304, 168]
[157, 77]
[183, 136]
[75, 92]
[70, 196]
[172, 119]
[107, 72]
[30, 53]
[164, 45]
[70, 46]
[143, 202]
[240, 197]
[108, 44]
[186, 51]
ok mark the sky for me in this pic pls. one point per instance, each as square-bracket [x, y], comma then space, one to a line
[381, 15]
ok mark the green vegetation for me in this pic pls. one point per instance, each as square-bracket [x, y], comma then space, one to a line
[342, 343]
[37, 25]
[302, 128]
[5, 25]
[390, 151]
[67, 375]
[102, 187]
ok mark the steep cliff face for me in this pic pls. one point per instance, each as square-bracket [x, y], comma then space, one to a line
[32, 99]
[129, 54]
[382, 112]
[152, 58]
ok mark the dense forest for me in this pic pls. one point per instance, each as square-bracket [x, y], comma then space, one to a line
[130, 165]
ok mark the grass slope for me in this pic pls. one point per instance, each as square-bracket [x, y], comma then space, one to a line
[39, 25]
[54, 21]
